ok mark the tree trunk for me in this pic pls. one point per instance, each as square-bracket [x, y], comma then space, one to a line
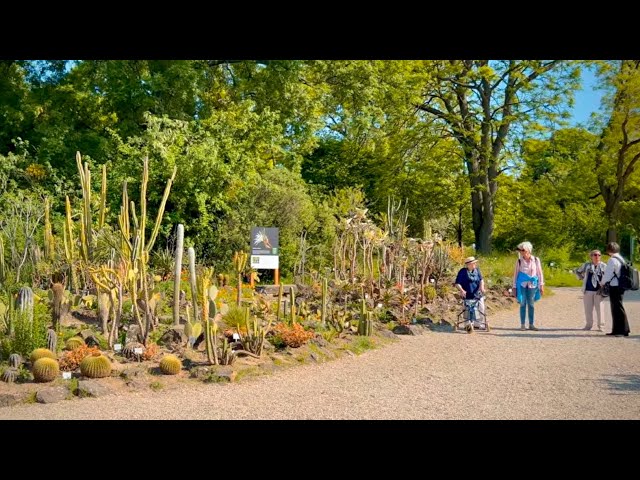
[612, 235]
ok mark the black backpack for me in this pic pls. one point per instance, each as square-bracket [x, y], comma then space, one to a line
[628, 279]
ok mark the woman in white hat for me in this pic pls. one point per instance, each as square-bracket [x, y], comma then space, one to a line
[470, 283]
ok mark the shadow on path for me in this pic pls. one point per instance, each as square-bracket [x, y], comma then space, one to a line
[622, 383]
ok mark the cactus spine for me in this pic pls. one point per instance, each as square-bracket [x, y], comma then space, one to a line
[170, 365]
[52, 340]
[45, 370]
[95, 366]
[176, 274]
[324, 301]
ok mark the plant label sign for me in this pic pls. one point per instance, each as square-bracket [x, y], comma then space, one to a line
[265, 248]
[236, 336]
[117, 347]
[137, 351]
[66, 375]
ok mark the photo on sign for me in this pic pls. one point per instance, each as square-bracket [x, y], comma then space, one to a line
[261, 238]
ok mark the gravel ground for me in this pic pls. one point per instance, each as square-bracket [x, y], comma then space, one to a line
[559, 372]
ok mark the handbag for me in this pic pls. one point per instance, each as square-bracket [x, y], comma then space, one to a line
[604, 291]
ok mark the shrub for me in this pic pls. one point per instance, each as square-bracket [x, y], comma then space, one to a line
[293, 336]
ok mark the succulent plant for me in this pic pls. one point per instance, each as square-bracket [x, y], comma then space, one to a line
[39, 353]
[45, 369]
[52, 340]
[74, 343]
[15, 360]
[129, 351]
[95, 366]
[170, 365]
[10, 375]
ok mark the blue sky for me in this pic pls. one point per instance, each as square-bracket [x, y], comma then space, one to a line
[587, 100]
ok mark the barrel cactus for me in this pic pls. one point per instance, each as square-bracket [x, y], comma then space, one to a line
[10, 375]
[74, 343]
[45, 369]
[15, 360]
[95, 365]
[170, 365]
[39, 353]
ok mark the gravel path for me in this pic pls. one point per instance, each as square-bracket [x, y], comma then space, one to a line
[559, 372]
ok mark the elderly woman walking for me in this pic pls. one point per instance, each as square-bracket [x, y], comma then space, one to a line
[591, 274]
[528, 283]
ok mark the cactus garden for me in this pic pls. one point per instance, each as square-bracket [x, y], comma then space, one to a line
[103, 311]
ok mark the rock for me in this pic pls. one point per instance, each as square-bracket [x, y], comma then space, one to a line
[386, 333]
[91, 388]
[130, 372]
[136, 384]
[89, 337]
[200, 372]
[7, 399]
[407, 330]
[52, 394]
[319, 341]
[173, 337]
[133, 334]
[214, 374]
[424, 321]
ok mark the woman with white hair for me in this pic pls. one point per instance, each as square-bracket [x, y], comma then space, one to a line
[528, 283]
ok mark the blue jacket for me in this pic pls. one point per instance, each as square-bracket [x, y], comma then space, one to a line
[523, 277]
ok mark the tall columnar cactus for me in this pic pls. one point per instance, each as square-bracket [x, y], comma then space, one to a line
[192, 280]
[280, 307]
[52, 340]
[176, 274]
[3, 268]
[365, 326]
[325, 289]
[86, 219]
[24, 301]
[95, 365]
[49, 240]
[45, 370]
[15, 360]
[170, 365]
[135, 250]
[239, 264]
[292, 311]
[103, 198]
[208, 296]
[70, 245]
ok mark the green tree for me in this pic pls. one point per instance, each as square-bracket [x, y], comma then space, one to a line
[618, 151]
[481, 103]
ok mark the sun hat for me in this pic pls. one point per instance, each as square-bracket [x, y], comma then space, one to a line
[470, 260]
